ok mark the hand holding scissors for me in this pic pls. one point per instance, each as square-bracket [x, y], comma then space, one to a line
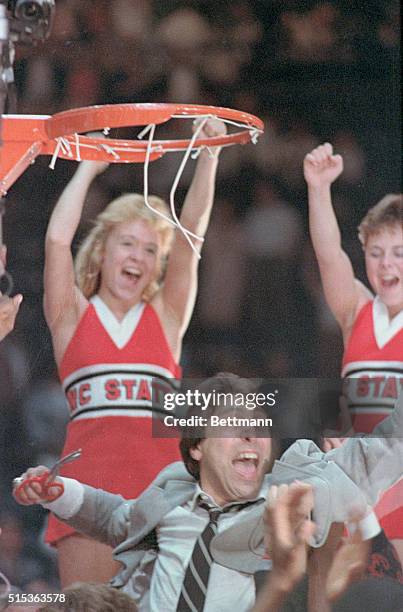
[39, 484]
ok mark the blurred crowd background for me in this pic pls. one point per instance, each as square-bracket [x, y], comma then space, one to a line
[313, 71]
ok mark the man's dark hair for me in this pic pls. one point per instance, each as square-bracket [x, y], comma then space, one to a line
[224, 382]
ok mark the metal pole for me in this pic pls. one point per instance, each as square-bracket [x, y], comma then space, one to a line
[4, 79]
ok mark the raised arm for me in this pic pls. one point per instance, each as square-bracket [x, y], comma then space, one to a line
[288, 530]
[344, 294]
[176, 300]
[63, 303]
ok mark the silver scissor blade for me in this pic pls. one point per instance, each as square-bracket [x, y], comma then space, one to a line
[63, 461]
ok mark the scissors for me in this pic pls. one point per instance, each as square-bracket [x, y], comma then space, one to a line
[46, 480]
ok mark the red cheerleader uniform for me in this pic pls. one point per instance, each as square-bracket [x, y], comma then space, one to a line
[114, 375]
[373, 363]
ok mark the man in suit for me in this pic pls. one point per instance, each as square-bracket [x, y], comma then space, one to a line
[157, 535]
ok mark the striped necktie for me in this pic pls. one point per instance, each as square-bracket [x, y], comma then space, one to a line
[194, 586]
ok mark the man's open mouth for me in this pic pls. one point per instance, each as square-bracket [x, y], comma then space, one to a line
[246, 464]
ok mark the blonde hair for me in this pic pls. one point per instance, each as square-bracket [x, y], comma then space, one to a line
[126, 208]
[387, 213]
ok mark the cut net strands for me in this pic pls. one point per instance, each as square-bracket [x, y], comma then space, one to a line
[59, 136]
[175, 220]
[64, 146]
[194, 152]
[191, 150]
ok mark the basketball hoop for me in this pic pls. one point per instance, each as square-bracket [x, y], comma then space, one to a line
[63, 136]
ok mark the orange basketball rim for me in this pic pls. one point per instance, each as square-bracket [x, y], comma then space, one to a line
[24, 137]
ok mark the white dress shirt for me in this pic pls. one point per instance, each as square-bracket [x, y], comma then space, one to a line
[228, 590]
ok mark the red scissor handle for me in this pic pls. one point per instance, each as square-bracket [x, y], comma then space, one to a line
[45, 486]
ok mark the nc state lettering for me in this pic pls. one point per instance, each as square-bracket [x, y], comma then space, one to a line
[113, 389]
[375, 386]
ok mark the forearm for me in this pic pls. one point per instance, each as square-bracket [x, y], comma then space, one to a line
[66, 215]
[200, 197]
[68, 504]
[92, 512]
[273, 594]
[317, 601]
[323, 226]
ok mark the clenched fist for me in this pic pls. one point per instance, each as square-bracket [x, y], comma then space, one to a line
[321, 167]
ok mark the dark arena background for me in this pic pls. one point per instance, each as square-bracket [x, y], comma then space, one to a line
[314, 72]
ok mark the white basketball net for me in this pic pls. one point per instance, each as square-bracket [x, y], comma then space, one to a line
[71, 146]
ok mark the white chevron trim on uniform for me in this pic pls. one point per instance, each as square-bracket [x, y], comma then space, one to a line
[120, 332]
[384, 328]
